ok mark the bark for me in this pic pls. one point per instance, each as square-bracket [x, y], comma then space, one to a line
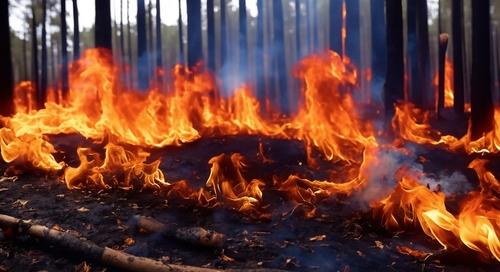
[243, 37]
[159, 49]
[44, 65]
[259, 53]
[298, 54]
[64, 51]
[443, 44]
[394, 82]
[458, 55]
[195, 235]
[211, 35]
[103, 24]
[181, 42]
[142, 50]
[195, 43]
[76, 31]
[424, 77]
[223, 33]
[6, 73]
[379, 44]
[34, 52]
[481, 93]
[335, 22]
[279, 60]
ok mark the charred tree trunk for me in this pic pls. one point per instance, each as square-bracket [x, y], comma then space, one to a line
[243, 37]
[34, 52]
[353, 25]
[211, 35]
[379, 43]
[414, 92]
[159, 59]
[481, 94]
[76, 31]
[6, 73]
[424, 77]
[103, 24]
[279, 60]
[458, 55]
[259, 57]
[64, 50]
[181, 43]
[298, 54]
[142, 50]
[44, 68]
[394, 82]
[223, 33]
[195, 43]
[335, 22]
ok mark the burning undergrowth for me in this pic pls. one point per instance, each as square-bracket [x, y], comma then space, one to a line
[129, 135]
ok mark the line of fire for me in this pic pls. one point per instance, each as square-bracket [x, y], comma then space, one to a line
[249, 135]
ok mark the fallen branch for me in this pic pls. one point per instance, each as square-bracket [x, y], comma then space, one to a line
[193, 235]
[105, 255]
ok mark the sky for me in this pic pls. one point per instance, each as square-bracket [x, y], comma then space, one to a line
[169, 11]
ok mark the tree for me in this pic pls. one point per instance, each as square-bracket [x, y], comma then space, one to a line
[394, 82]
[335, 22]
[64, 50]
[243, 37]
[142, 50]
[159, 62]
[103, 24]
[278, 59]
[34, 52]
[379, 45]
[210, 35]
[481, 95]
[44, 68]
[259, 53]
[181, 43]
[6, 73]
[195, 46]
[458, 55]
[76, 31]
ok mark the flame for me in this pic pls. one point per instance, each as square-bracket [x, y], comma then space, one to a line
[448, 83]
[476, 227]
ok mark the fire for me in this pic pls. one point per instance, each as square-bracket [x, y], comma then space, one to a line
[448, 83]
[476, 227]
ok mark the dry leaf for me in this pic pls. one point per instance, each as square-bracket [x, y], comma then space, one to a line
[83, 209]
[318, 238]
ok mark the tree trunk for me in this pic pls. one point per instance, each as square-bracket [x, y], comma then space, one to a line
[64, 50]
[44, 68]
[259, 53]
[6, 73]
[424, 77]
[458, 55]
[379, 43]
[34, 52]
[103, 24]
[142, 50]
[223, 33]
[195, 42]
[353, 25]
[243, 37]
[181, 42]
[298, 54]
[279, 61]
[211, 35]
[76, 31]
[335, 22]
[159, 59]
[394, 82]
[481, 94]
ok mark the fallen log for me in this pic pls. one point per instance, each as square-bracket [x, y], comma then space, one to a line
[87, 249]
[192, 235]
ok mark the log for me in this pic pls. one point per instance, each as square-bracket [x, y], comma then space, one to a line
[443, 44]
[105, 255]
[191, 235]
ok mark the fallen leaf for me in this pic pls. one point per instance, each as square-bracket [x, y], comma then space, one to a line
[318, 238]
[417, 254]
[379, 244]
[83, 209]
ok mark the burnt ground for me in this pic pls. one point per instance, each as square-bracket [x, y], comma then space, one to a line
[344, 237]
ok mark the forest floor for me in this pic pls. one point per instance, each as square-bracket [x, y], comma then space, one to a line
[344, 237]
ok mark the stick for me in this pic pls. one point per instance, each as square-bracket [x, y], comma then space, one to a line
[105, 255]
[443, 44]
[194, 235]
